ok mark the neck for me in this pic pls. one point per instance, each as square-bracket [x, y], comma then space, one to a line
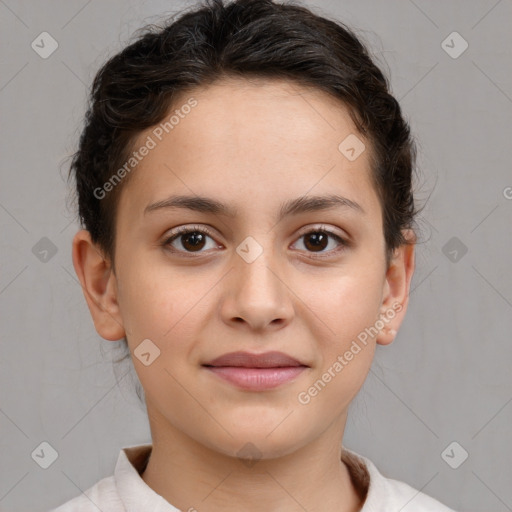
[193, 477]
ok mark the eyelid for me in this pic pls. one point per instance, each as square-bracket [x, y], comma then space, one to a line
[203, 228]
[323, 227]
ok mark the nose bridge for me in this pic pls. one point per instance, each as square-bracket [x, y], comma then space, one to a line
[256, 266]
[259, 292]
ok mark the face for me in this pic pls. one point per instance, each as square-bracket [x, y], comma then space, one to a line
[270, 269]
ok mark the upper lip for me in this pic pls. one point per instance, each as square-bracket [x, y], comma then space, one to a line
[246, 359]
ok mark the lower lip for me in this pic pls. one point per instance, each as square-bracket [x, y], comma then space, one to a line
[256, 379]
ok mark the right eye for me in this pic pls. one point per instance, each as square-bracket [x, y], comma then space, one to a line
[191, 238]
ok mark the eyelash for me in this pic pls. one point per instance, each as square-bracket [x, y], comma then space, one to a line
[201, 229]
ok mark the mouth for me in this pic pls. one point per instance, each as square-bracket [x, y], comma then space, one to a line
[256, 372]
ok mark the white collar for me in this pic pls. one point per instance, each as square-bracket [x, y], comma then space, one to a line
[381, 492]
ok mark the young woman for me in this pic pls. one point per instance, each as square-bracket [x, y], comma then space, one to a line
[244, 181]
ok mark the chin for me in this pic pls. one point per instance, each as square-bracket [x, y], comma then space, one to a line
[254, 444]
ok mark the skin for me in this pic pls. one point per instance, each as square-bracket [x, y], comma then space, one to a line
[253, 145]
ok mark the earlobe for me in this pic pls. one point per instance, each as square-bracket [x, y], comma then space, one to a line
[99, 286]
[396, 291]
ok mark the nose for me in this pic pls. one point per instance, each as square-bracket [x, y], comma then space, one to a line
[257, 296]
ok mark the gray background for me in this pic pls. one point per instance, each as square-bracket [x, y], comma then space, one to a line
[445, 378]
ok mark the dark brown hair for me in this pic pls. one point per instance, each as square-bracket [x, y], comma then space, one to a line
[135, 89]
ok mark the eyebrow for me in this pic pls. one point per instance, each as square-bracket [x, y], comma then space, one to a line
[292, 207]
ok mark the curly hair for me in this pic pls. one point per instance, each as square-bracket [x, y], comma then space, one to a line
[135, 89]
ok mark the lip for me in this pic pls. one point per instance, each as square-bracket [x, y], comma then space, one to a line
[248, 360]
[256, 372]
[256, 379]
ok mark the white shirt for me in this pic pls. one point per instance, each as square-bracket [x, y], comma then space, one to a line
[126, 491]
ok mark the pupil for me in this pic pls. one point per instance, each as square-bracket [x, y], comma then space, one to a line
[319, 240]
[197, 239]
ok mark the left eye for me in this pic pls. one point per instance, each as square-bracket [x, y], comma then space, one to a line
[193, 239]
[318, 239]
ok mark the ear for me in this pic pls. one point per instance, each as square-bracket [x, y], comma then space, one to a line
[99, 286]
[396, 290]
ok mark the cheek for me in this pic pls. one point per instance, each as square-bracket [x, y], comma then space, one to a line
[150, 303]
[343, 328]
[335, 385]
[344, 306]
[163, 305]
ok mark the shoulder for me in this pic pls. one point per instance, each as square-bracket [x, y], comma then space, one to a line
[412, 500]
[124, 486]
[101, 495]
[384, 493]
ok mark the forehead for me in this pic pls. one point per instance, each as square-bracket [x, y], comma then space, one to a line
[251, 136]
[238, 112]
